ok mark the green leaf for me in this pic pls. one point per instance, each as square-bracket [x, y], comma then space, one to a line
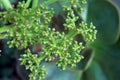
[55, 73]
[105, 17]
[95, 72]
[108, 58]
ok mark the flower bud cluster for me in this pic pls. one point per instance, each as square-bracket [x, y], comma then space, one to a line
[31, 62]
[27, 25]
[57, 45]
[78, 4]
[70, 56]
[71, 19]
[88, 31]
[31, 26]
[22, 5]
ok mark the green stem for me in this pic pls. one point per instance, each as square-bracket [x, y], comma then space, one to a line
[49, 2]
[5, 28]
[28, 3]
[46, 3]
[2, 36]
[7, 4]
[34, 3]
[42, 57]
[72, 34]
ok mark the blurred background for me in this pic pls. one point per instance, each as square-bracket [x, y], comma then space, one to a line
[101, 61]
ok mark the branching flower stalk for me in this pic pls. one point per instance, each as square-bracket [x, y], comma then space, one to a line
[26, 26]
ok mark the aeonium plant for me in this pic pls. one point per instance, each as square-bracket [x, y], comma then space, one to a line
[27, 24]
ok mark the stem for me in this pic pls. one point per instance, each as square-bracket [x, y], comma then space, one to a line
[7, 4]
[42, 57]
[28, 3]
[2, 36]
[5, 28]
[35, 3]
[71, 34]
[46, 3]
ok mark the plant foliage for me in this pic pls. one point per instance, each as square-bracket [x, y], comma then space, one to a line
[25, 26]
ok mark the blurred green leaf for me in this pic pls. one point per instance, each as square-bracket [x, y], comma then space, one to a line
[95, 72]
[109, 59]
[105, 17]
[55, 73]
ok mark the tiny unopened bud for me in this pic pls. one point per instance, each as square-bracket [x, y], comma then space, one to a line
[24, 55]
